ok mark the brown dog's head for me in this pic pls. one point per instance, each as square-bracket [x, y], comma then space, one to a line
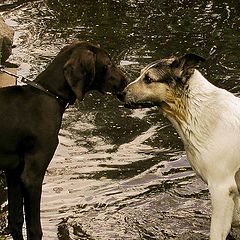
[90, 67]
[162, 83]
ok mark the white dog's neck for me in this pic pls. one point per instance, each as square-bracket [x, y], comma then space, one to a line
[199, 113]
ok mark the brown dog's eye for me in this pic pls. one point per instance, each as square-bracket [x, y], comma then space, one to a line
[147, 79]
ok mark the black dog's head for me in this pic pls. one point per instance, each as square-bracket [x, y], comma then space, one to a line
[90, 67]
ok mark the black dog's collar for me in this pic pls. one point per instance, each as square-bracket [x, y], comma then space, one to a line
[61, 100]
[40, 87]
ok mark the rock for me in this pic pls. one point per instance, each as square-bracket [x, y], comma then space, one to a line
[7, 80]
[6, 40]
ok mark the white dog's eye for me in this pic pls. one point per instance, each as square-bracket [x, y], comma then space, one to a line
[147, 79]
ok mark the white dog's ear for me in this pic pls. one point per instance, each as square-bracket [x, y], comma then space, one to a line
[183, 66]
[188, 60]
[191, 60]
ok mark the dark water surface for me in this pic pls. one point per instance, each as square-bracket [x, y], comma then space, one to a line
[117, 173]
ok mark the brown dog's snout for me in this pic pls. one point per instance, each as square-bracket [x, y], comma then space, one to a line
[119, 84]
[122, 95]
[124, 78]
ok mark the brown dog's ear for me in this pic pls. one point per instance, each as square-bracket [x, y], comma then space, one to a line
[79, 71]
[183, 66]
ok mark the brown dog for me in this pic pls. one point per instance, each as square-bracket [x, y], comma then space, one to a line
[30, 119]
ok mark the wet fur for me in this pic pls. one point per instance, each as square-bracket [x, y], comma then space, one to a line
[207, 119]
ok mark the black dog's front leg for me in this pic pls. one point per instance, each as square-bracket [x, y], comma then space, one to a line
[32, 198]
[32, 179]
[15, 204]
[36, 163]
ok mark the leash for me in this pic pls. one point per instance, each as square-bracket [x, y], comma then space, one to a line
[22, 79]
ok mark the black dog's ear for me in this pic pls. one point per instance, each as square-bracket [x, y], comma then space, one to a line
[79, 71]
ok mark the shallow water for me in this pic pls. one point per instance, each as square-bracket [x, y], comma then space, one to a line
[119, 173]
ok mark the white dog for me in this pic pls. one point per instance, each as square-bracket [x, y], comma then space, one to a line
[207, 119]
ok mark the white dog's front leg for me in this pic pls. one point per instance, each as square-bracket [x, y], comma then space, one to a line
[236, 213]
[222, 197]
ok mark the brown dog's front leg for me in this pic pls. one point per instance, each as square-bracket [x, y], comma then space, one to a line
[32, 178]
[32, 198]
[15, 204]
[36, 163]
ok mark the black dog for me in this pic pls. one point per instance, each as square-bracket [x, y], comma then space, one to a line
[30, 119]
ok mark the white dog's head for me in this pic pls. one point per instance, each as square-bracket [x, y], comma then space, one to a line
[162, 83]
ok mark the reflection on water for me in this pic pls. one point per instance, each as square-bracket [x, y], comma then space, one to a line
[118, 173]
